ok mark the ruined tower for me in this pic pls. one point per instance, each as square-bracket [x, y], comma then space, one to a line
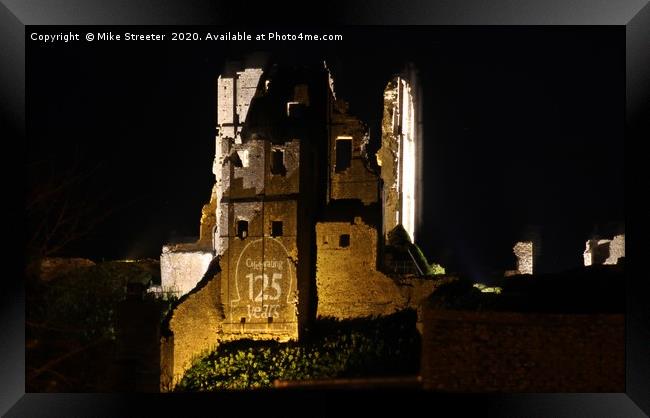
[293, 228]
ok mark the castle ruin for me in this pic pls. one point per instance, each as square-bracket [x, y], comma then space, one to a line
[299, 219]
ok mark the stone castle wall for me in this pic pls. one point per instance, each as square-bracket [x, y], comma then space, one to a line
[182, 267]
[399, 155]
[467, 351]
[357, 181]
[348, 282]
[193, 328]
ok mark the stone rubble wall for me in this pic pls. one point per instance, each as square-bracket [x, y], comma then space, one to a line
[348, 282]
[181, 268]
[604, 251]
[524, 252]
[357, 181]
[467, 351]
[193, 330]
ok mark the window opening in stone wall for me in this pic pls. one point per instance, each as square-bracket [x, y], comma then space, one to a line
[277, 162]
[343, 153]
[291, 107]
[295, 110]
[242, 229]
[243, 157]
[236, 160]
[344, 240]
[276, 228]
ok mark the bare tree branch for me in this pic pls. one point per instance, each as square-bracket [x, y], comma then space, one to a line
[62, 205]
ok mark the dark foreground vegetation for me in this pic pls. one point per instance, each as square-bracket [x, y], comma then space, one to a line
[74, 323]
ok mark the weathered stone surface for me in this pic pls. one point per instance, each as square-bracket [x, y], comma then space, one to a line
[260, 289]
[235, 91]
[193, 328]
[357, 181]
[259, 272]
[208, 222]
[181, 268]
[399, 156]
[348, 282]
[524, 252]
[604, 251]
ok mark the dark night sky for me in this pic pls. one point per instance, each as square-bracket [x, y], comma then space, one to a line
[522, 127]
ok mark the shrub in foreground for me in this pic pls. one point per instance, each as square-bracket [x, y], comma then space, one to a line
[385, 346]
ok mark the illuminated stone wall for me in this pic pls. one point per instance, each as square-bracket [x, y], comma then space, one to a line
[347, 280]
[356, 181]
[235, 91]
[524, 252]
[259, 273]
[181, 267]
[250, 292]
[399, 154]
[208, 222]
[604, 251]
[193, 328]
[259, 269]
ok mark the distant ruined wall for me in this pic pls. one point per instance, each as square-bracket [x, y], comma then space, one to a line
[604, 251]
[524, 252]
[348, 282]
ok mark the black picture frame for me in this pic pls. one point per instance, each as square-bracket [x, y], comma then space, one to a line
[15, 16]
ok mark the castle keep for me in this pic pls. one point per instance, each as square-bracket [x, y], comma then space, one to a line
[300, 217]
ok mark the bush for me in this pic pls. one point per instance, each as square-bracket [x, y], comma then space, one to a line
[461, 294]
[71, 332]
[385, 346]
[85, 299]
[432, 269]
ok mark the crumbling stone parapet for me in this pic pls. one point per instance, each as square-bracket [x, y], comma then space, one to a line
[524, 252]
[604, 251]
